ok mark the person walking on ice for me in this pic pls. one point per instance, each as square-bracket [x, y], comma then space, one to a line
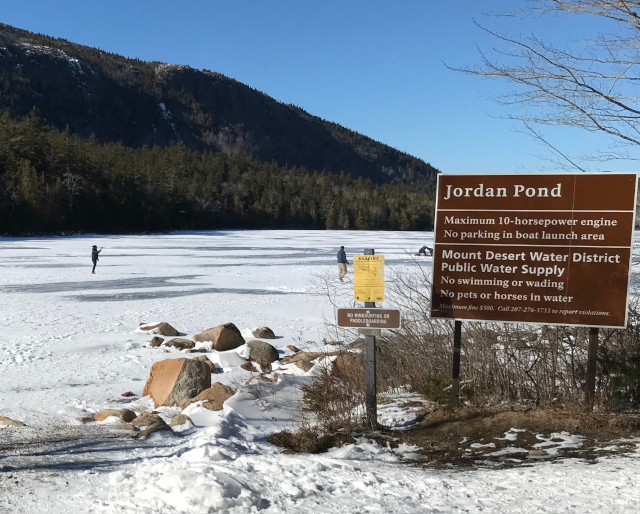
[342, 264]
[94, 258]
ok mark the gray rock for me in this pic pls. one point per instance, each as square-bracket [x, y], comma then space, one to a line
[164, 329]
[156, 341]
[207, 361]
[261, 351]
[180, 343]
[263, 333]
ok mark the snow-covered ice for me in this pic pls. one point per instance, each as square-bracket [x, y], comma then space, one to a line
[70, 346]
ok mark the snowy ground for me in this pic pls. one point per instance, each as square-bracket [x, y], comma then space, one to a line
[69, 347]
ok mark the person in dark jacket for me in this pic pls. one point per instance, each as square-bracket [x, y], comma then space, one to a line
[94, 257]
[424, 250]
[342, 263]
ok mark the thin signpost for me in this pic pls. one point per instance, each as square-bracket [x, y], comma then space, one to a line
[590, 378]
[368, 287]
[370, 369]
[455, 371]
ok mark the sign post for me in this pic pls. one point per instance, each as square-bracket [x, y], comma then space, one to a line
[553, 249]
[370, 274]
[368, 287]
[455, 369]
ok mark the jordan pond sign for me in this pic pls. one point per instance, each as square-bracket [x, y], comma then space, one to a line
[538, 248]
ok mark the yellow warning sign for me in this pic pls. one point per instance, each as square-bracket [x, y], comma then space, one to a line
[368, 278]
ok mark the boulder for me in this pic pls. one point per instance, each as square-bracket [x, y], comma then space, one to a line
[304, 356]
[305, 365]
[156, 341]
[164, 329]
[155, 427]
[125, 415]
[265, 366]
[248, 366]
[180, 343]
[263, 333]
[213, 397]
[8, 422]
[260, 351]
[207, 361]
[224, 337]
[172, 381]
[146, 419]
[180, 419]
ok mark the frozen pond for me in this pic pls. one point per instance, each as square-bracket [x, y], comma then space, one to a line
[72, 334]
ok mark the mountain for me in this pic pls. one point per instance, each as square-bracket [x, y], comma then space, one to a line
[90, 92]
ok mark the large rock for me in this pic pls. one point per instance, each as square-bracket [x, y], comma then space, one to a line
[164, 329]
[172, 381]
[263, 333]
[224, 337]
[180, 343]
[304, 356]
[179, 420]
[213, 397]
[207, 361]
[146, 419]
[260, 351]
[156, 341]
[124, 415]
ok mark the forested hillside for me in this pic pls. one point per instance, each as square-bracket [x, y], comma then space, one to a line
[118, 100]
[52, 180]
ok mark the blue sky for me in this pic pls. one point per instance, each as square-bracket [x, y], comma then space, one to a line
[374, 66]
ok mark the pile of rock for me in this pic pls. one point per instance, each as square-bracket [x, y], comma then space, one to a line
[140, 425]
[182, 382]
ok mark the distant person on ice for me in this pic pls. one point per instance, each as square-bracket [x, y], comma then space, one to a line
[342, 263]
[94, 257]
[424, 250]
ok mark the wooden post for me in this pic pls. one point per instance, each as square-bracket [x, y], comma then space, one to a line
[590, 386]
[455, 371]
[370, 370]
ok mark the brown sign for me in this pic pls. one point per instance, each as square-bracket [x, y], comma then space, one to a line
[370, 318]
[546, 248]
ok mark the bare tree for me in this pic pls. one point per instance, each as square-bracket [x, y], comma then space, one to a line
[73, 184]
[591, 84]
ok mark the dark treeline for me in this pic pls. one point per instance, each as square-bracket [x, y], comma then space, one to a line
[53, 181]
